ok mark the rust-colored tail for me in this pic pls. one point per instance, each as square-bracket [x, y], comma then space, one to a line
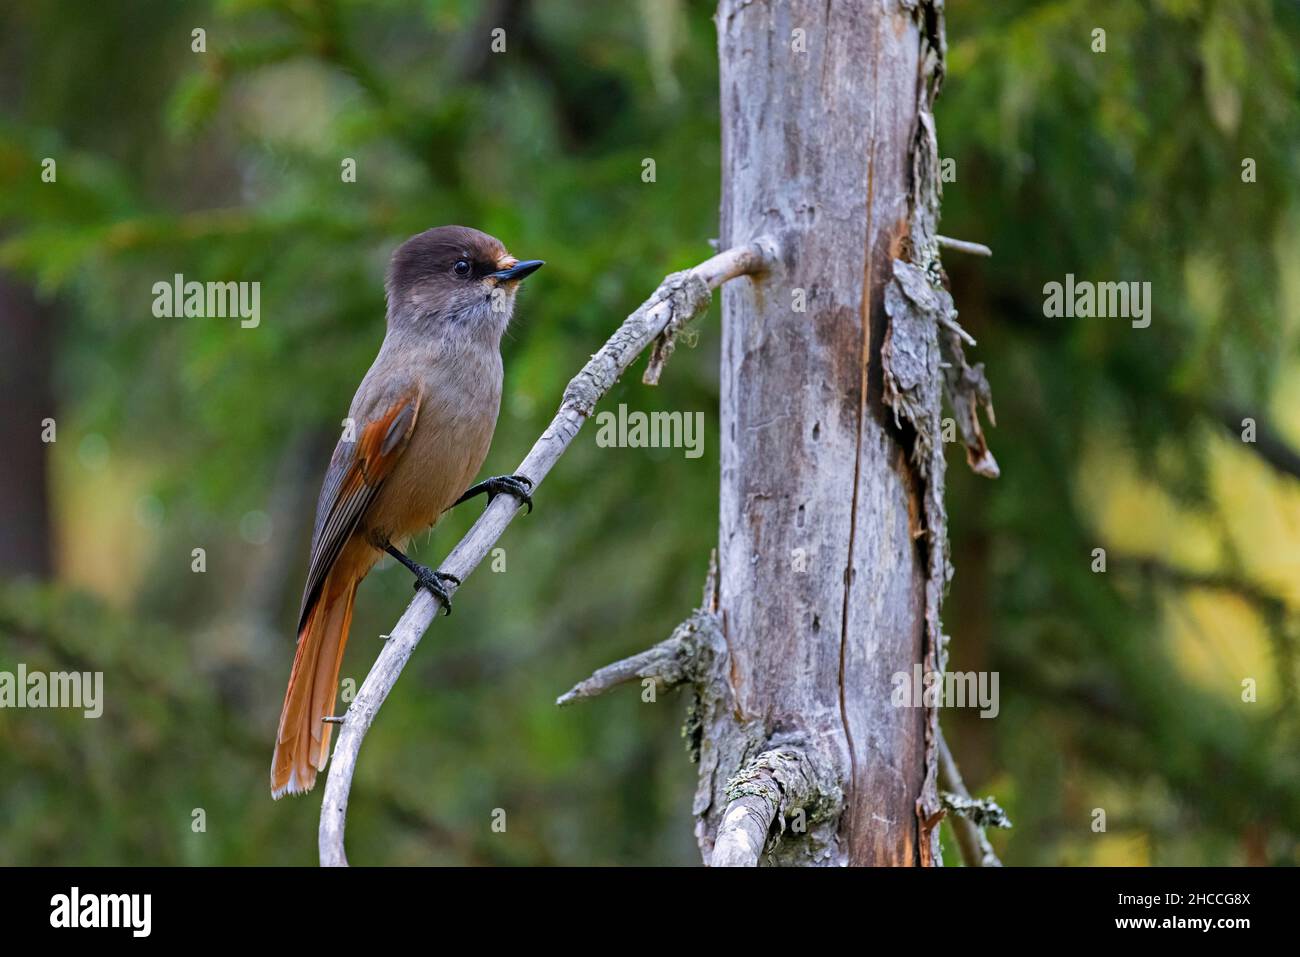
[303, 741]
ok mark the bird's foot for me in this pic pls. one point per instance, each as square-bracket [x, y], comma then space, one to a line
[431, 580]
[519, 486]
[425, 577]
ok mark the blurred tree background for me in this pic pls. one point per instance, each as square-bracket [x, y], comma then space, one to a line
[1119, 690]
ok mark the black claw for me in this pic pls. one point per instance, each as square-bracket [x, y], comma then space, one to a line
[516, 485]
[431, 581]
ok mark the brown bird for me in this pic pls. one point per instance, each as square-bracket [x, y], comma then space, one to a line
[417, 433]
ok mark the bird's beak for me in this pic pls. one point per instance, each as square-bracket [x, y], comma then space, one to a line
[517, 271]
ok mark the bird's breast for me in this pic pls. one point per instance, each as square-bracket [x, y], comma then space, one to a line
[460, 400]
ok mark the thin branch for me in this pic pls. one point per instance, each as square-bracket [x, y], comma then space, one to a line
[1268, 445]
[1272, 609]
[672, 662]
[1271, 606]
[668, 663]
[963, 246]
[680, 297]
[976, 851]
[950, 322]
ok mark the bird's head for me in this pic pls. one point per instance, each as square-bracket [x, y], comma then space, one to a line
[455, 275]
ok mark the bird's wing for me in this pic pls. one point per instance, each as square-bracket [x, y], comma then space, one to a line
[356, 473]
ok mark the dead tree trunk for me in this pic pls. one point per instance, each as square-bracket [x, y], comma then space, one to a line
[831, 555]
[833, 550]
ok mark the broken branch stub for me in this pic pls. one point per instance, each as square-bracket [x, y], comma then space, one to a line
[779, 784]
[670, 663]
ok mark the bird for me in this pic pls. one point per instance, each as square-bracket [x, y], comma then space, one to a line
[417, 432]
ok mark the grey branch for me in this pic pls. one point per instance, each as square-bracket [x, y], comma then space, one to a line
[962, 246]
[775, 782]
[743, 833]
[976, 851]
[680, 298]
[670, 663]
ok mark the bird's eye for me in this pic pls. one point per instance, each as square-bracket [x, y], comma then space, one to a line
[461, 267]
